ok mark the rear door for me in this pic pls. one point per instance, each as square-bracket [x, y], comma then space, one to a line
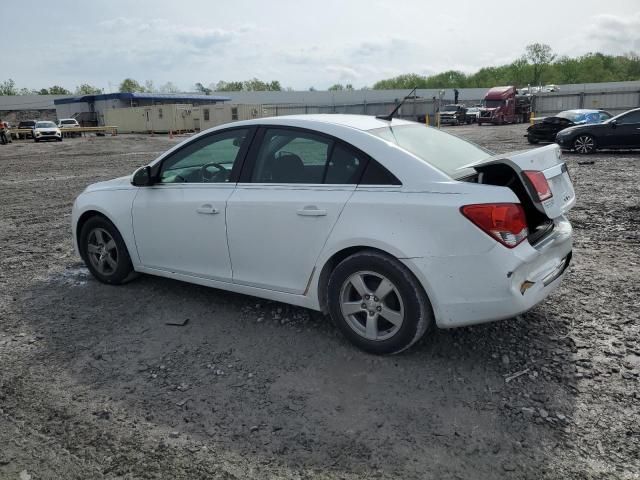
[291, 192]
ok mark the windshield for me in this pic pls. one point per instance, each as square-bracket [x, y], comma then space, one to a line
[45, 125]
[69, 122]
[449, 108]
[493, 103]
[442, 150]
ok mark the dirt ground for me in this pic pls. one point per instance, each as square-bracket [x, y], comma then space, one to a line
[94, 383]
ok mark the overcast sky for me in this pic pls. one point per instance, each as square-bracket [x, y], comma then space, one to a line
[302, 43]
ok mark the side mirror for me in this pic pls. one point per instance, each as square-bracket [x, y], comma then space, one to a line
[613, 123]
[142, 177]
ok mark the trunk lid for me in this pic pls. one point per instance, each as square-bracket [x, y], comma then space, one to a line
[548, 161]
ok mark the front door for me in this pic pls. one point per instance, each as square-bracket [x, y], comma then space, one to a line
[179, 222]
[628, 130]
[284, 208]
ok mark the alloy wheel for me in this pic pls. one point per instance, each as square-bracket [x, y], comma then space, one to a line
[102, 251]
[584, 144]
[371, 305]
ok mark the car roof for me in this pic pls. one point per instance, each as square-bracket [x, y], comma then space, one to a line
[583, 110]
[359, 122]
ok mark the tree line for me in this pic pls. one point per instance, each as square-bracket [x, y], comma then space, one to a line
[8, 87]
[539, 65]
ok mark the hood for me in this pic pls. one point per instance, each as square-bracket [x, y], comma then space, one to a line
[121, 183]
[574, 128]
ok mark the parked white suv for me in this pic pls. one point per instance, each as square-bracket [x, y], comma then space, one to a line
[69, 123]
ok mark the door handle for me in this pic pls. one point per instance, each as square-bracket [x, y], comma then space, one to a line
[207, 209]
[311, 211]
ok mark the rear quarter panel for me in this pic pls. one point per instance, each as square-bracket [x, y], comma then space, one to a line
[413, 224]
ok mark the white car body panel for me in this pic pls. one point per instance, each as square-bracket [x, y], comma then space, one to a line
[271, 251]
[289, 224]
[168, 218]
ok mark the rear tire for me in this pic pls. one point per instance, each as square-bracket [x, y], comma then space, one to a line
[377, 303]
[584, 144]
[104, 251]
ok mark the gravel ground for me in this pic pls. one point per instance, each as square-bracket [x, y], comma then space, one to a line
[95, 384]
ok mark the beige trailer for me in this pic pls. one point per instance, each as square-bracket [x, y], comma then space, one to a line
[155, 118]
[207, 116]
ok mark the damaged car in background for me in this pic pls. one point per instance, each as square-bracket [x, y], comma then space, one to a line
[388, 226]
[546, 130]
[621, 132]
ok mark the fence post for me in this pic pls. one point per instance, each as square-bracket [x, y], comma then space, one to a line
[581, 100]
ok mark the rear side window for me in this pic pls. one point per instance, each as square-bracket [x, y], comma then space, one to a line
[345, 166]
[301, 156]
[376, 174]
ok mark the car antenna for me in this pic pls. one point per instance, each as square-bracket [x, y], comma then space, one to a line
[389, 117]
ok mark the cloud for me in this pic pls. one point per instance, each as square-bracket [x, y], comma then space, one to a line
[614, 34]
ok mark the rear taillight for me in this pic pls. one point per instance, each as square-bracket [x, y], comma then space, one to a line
[505, 222]
[539, 183]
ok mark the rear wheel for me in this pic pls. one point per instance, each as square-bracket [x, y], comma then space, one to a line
[104, 251]
[584, 144]
[377, 303]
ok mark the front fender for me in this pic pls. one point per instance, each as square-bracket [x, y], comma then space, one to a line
[116, 206]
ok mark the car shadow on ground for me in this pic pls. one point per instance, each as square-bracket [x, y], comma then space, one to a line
[230, 378]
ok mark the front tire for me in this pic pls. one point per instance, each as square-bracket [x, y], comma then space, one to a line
[104, 251]
[584, 144]
[532, 139]
[377, 303]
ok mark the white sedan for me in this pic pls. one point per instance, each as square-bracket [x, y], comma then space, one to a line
[391, 227]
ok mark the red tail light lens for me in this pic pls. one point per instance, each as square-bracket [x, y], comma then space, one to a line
[539, 184]
[504, 222]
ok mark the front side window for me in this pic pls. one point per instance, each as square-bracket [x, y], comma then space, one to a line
[290, 156]
[207, 160]
[629, 118]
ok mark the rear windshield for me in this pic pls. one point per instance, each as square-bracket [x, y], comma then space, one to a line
[442, 150]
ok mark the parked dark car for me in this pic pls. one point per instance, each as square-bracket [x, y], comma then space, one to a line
[619, 132]
[454, 114]
[546, 130]
[30, 124]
